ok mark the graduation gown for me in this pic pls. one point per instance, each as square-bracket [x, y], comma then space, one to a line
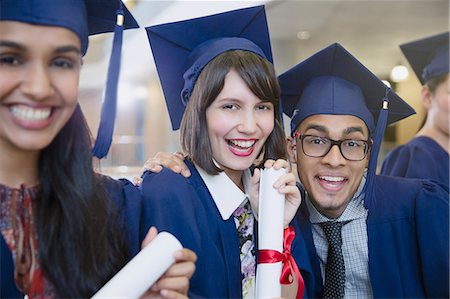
[422, 157]
[185, 208]
[123, 195]
[408, 239]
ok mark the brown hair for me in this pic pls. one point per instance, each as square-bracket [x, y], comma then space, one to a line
[432, 84]
[259, 76]
[435, 81]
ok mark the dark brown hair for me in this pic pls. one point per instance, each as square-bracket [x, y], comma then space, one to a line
[432, 84]
[81, 240]
[259, 76]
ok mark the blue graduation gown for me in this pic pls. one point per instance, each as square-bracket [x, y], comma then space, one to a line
[127, 199]
[408, 235]
[185, 208]
[422, 157]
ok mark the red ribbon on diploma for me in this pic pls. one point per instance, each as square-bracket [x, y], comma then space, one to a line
[268, 256]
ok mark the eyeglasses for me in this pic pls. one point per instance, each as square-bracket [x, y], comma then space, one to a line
[316, 146]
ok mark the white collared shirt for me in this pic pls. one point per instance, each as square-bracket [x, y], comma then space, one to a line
[228, 197]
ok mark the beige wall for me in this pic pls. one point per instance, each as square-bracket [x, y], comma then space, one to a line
[410, 92]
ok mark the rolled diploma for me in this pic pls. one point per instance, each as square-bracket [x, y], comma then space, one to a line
[270, 233]
[139, 274]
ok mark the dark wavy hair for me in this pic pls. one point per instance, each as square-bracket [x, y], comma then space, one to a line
[80, 244]
[259, 76]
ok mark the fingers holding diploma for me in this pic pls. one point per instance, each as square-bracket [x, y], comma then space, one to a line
[286, 185]
[175, 281]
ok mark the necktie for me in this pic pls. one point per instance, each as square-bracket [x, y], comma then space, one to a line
[335, 267]
[244, 221]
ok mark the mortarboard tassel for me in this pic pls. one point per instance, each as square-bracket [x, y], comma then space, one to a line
[108, 115]
[379, 133]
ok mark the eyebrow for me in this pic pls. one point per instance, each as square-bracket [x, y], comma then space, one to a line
[353, 129]
[9, 44]
[323, 129]
[20, 47]
[65, 49]
[317, 128]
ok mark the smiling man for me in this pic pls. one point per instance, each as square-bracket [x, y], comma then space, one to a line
[367, 235]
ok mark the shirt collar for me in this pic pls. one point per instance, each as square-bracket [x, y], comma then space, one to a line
[354, 210]
[226, 195]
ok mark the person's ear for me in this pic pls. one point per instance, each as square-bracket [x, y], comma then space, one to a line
[426, 96]
[292, 150]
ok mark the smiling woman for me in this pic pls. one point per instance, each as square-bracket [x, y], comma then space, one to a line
[65, 230]
[39, 70]
[45, 146]
[238, 120]
[230, 122]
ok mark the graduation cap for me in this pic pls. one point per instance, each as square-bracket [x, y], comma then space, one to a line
[332, 81]
[429, 57]
[83, 17]
[182, 49]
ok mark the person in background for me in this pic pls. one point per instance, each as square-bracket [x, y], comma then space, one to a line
[427, 154]
[368, 236]
[219, 83]
[65, 230]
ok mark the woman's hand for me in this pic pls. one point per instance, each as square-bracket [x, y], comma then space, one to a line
[174, 162]
[174, 283]
[286, 185]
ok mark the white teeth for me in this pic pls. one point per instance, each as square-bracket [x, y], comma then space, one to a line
[243, 143]
[28, 113]
[332, 178]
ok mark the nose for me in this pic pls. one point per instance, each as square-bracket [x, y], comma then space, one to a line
[248, 123]
[37, 83]
[334, 157]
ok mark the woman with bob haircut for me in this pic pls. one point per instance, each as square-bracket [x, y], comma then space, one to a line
[258, 74]
[229, 114]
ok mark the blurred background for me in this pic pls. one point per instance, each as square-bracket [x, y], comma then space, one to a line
[371, 30]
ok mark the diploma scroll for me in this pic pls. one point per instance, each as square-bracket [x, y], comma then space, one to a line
[270, 233]
[136, 277]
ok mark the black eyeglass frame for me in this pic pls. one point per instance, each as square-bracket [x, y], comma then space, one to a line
[333, 142]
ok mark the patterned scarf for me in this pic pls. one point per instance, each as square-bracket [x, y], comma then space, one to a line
[18, 230]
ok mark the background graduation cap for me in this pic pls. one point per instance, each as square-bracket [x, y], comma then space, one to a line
[182, 49]
[85, 18]
[332, 81]
[429, 57]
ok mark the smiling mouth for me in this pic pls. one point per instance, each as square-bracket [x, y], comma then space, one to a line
[331, 178]
[32, 118]
[241, 147]
[331, 183]
[30, 114]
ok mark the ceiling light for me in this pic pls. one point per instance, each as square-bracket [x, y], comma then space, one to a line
[399, 73]
[303, 35]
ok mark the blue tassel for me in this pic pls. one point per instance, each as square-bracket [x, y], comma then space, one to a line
[108, 116]
[377, 140]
